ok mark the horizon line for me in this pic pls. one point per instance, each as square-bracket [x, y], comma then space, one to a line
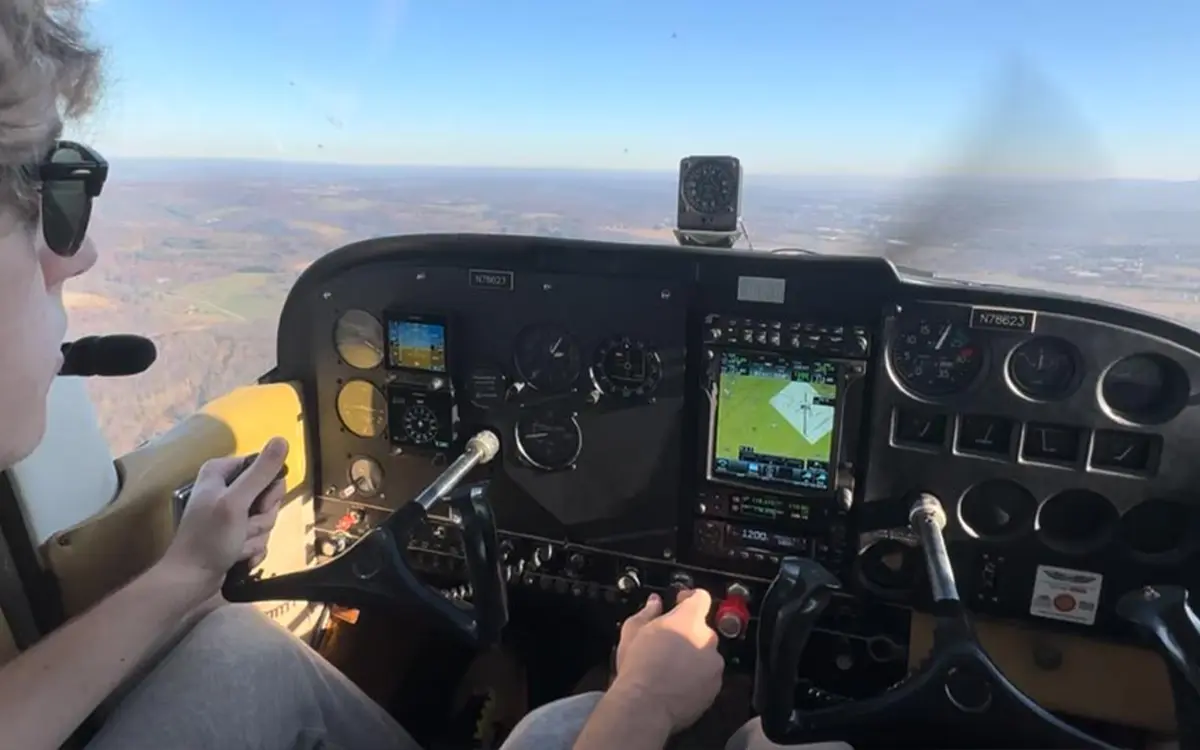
[623, 170]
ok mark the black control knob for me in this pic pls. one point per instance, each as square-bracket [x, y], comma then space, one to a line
[542, 555]
[843, 655]
[331, 546]
[629, 581]
[506, 550]
[681, 581]
[575, 563]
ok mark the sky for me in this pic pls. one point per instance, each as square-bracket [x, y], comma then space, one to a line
[889, 87]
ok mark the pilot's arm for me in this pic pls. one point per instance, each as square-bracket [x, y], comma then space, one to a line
[48, 690]
[668, 674]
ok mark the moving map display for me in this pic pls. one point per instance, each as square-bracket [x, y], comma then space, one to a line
[416, 345]
[775, 420]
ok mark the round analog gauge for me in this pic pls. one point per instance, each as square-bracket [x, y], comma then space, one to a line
[362, 408]
[367, 476]
[626, 368]
[935, 357]
[358, 337]
[547, 358]
[997, 510]
[1145, 388]
[890, 565]
[710, 187]
[549, 441]
[421, 424]
[1044, 368]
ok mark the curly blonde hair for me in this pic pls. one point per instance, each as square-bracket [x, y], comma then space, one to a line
[48, 72]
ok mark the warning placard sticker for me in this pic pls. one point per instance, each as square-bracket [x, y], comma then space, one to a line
[1066, 594]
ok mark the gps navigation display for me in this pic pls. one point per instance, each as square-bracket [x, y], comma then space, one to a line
[775, 420]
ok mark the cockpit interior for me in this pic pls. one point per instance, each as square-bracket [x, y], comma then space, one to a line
[929, 513]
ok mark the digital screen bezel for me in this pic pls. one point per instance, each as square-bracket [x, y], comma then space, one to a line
[400, 316]
[783, 488]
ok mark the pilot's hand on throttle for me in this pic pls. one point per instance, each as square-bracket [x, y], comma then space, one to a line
[217, 529]
[670, 662]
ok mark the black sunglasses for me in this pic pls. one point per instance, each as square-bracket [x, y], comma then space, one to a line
[69, 178]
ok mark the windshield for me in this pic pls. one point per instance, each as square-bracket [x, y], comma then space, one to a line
[249, 138]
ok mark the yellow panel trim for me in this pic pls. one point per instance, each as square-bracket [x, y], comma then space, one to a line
[108, 549]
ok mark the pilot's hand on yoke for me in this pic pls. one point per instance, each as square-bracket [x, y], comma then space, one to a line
[670, 662]
[218, 528]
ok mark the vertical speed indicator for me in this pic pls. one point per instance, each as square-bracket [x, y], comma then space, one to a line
[935, 357]
[626, 367]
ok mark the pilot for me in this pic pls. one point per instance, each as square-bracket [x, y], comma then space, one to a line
[229, 678]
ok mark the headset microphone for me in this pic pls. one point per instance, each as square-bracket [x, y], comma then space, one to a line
[108, 356]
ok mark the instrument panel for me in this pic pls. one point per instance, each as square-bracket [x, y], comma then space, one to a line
[672, 415]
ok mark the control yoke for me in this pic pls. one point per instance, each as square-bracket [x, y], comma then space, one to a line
[957, 689]
[1164, 616]
[373, 572]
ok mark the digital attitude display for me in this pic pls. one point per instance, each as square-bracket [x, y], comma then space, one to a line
[775, 420]
[416, 344]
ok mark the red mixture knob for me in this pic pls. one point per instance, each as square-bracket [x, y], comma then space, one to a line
[733, 617]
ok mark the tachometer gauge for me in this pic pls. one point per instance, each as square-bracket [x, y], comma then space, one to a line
[421, 424]
[358, 338]
[935, 357]
[367, 476]
[362, 408]
[626, 368]
[710, 187]
[1043, 368]
[547, 358]
[548, 440]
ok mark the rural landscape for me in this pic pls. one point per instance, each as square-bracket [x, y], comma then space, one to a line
[200, 255]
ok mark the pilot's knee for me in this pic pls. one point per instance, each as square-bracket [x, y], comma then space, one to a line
[750, 737]
[229, 620]
[554, 726]
[240, 633]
